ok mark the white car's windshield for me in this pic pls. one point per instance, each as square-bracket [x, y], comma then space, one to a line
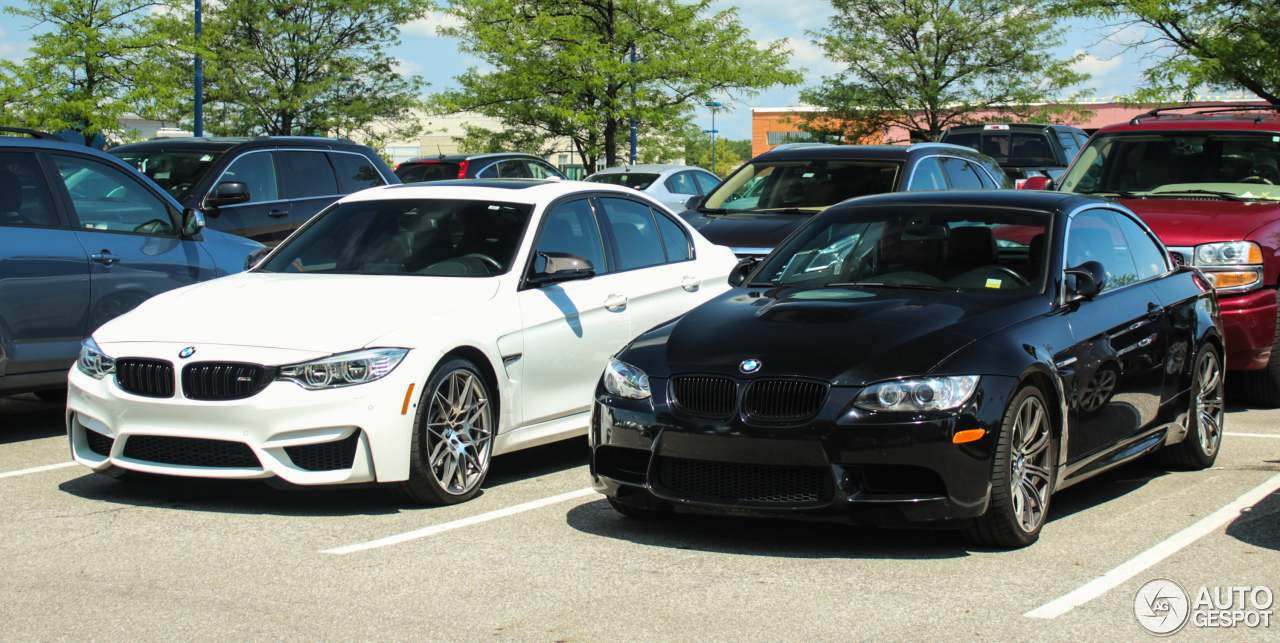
[1229, 165]
[438, 237]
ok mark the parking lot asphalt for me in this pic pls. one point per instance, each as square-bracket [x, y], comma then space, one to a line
[538, 558]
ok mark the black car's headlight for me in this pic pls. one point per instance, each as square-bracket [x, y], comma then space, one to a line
[93, 362]
[346, 369]
[625, 380]
[924, 394]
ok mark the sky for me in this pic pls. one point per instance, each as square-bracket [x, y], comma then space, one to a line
[1115, 72]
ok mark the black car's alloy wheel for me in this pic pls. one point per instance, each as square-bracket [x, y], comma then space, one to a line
[452, 437]
[1022, 475]
[1204, 420]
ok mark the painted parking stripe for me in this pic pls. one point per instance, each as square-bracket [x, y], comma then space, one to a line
[1136, 565]
[465, 522]
[1253, 435]
[47, 467]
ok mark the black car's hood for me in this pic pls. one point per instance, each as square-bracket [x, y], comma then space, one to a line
[848, 336]
[749, 230]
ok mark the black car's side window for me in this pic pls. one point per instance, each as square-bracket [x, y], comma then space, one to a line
[960, 174]
[25, 199]
[928, 176]
[571, 228]
[490, 172]
[1147, 256]
[1069, 145]
[307, 174]
[108, 199]
[983, 177]
[513, 169]
[540, 170]
[355, 172]
[257, 170]
[1095, 236]
[638, 242]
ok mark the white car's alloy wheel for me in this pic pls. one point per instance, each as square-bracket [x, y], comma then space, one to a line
[453, 436]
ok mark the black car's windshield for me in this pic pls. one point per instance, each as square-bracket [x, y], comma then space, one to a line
[801, 187]
[176, 171]
[439, 237]
[987, 250]
[636, 180]
[1243, 165]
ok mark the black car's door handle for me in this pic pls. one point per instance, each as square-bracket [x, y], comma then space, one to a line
[278, 213]
[105, 257]
[1154, 308]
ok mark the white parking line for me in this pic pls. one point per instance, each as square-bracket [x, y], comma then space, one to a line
[465, 522]
[1134, 566]
[47, 467]
[1253, 435]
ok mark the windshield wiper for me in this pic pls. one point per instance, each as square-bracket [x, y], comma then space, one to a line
[712, 211]
[1119, 193]
[786, 211]
[885, 284]
[1218, 193]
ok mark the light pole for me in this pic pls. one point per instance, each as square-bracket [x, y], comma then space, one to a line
[199, 120]
[713, 105]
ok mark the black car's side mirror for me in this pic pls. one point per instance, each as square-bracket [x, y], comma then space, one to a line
[1086, 280]
[693, 202]
[192, 222]
[228, 193]
[562, 266]
[739, 274]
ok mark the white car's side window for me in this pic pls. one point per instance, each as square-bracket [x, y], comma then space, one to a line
[571, 228]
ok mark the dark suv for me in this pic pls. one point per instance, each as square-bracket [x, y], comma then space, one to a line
[1024, 150]
[262, 188]
[776, 192]
[1208, 185]
[504, 165]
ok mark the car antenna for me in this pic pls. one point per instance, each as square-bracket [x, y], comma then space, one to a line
[439, 150]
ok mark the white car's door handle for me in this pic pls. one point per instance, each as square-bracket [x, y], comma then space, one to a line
[690, 283]
[615, 303]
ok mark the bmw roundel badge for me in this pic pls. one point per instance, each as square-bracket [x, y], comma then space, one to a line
[187, 352]
[750, 366]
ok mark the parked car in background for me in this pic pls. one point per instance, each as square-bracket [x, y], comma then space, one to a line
[504, 165]
[671, 185]
[404, 336]
[1024, 150]
[1207, 184]
[892, 364]
[84, 239]
[263, 187]
[775, 193]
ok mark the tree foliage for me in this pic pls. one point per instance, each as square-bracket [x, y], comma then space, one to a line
[561, 68]
[301, 67]
[93, 65]
[726, 158]
[926, 65]
[1220, 44]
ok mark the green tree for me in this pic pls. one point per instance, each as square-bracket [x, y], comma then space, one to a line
[95, 63]
[301, 67]
[1221, 44]
[926, 65]
[726, 159]
[561, 68]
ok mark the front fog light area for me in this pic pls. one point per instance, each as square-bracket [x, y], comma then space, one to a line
[625, 380]
[93, 362]
[926, 394]
[347, 369]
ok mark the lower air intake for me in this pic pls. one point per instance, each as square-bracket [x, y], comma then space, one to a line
[98, 443]
[326, 456]
[191, 452]
[754, 483]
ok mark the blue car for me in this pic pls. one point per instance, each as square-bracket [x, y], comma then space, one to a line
[83, 239]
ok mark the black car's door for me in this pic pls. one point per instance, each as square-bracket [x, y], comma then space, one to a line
[309, 182]
[1120, 341]
[265, 217]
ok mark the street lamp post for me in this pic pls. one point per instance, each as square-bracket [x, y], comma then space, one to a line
[713, 105]
[199, 80]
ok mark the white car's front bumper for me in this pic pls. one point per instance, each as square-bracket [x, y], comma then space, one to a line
[343, 435]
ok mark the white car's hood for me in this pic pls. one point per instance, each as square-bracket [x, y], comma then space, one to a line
[324, 313]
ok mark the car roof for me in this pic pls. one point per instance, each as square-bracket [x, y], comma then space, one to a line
[656, 168]
[1014, 126]
[1244, 117]
[860, 152]
[533, 191]
[1047, 201]
[223, 143]
[458, 158]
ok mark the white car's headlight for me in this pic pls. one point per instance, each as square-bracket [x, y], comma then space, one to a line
[925, 394]
[625, 380]
[93, 362]
[346, 369]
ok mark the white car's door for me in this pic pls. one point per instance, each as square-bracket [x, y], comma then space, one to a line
[570, 328]
[655, 263]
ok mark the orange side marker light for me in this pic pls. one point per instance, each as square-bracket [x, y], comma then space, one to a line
[408, 395]
[968, 436]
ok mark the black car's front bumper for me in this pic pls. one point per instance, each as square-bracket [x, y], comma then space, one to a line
[844, 464]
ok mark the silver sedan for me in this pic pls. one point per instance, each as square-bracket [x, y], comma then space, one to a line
[672, 185]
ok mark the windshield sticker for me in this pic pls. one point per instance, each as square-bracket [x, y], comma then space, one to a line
[808, 175]
[993, 283]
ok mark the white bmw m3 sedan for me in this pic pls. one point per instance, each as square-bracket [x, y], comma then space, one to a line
[406, 335]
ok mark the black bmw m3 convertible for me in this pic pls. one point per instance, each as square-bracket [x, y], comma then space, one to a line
[940, 358]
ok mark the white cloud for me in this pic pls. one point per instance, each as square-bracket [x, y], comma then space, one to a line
[425, 27]
[406, 67]
[1098, 68]
[12, 49]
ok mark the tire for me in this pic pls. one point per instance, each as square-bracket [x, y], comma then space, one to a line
[456, 423]
[1262, 387]
[639, 513]
[1204, 421]
[52, 396]
[1022, 476]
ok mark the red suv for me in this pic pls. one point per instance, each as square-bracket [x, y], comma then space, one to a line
[1208, 184]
